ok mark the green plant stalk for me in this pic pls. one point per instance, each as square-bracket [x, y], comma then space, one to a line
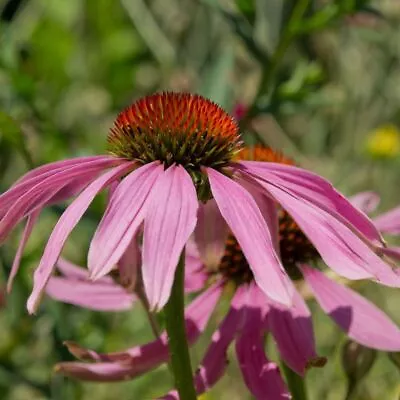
[286, 39]
[296, 383]
[177, 342]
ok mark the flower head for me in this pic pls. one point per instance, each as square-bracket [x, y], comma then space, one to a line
[176, 128]
[169, 153]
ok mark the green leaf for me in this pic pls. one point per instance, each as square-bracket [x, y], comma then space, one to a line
[216, 78]
[268, 24]
[242, 28]
[10, 131]
[11, 136]
[247, 8]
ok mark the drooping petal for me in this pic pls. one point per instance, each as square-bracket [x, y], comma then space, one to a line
[64, 226]
[99, 372]
[140, 359]
[211, 233]
[37, 176]
[35, 193]
[268, 208]
[152, 354]
[250, 229]
[122, 218]
[305, 185]
[294, 335]
[261, 376]
[75, 272]
[365, 201]
[195, 272]
[58, 166]
[360, 319]
[31, 220]
[129, 263]
[71, 270]
[168, 224]
[392, 252]
[338, 246]
[389, 222]
[92, 295]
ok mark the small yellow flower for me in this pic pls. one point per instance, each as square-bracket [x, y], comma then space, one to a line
[384, 142]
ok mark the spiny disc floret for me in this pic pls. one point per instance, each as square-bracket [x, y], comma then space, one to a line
[174, 128]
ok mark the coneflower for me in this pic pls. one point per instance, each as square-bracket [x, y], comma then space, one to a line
[169, 152]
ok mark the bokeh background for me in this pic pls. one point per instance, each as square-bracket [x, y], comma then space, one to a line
[324, 89]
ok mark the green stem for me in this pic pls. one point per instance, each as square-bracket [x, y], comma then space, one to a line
[295, 383]
[269, 72]
[178, 345]
[27, 157]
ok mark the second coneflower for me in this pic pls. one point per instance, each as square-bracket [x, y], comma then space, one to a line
[168, 152]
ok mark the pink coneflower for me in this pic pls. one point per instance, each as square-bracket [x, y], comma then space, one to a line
[252, 315]
[167, 152]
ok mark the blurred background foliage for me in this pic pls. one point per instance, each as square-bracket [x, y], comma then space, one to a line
[319, 80]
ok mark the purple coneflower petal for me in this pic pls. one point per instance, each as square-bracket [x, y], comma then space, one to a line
[74, 271]
[31, 220]
[339, 247]
[122, 219]
[92, 295]
[365, 201]
[149, 355]
[389, 222]
[359, 318]
[63, 228]
[293, 332]
[304, 185]
[60, 166]
[35, 193]
[211, 233]
[129, 263]
[36, 176]
[392, 252]
[99, 372]
[250, 229]
[195, 274]
[261, 376]
[140, 359]
[268, 208]
[167, 228]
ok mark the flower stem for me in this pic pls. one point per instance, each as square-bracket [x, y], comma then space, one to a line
[178, 345]
[268, 74]
[296, 383]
